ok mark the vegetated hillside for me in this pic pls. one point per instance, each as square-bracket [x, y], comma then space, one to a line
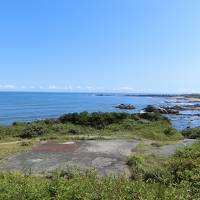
[147, 125]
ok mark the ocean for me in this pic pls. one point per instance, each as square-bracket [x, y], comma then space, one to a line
[29, 106]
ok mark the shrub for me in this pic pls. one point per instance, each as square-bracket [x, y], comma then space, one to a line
[33, 130]
[192, 133]
[151, 116]
[25, 143]
[96, 119]
[51, 121]
[169, 131]
[10, 131]
[58, 127]
[74, 130]
[85, 187]
[185, 166]
[18, 123]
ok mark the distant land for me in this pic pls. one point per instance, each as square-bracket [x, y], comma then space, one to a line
[152, 95]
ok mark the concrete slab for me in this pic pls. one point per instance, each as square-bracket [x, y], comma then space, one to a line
[108, 157]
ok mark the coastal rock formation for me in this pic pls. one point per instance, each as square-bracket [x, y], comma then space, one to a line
[192, 107]
[161, 110]
[184, 107]
[125, 106]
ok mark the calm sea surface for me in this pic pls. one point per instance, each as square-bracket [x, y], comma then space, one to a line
[21, 106]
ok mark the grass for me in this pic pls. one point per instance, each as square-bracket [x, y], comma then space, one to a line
[145, 166]
[9, 148]
[181, 168]
[153, 126]
[88, 186]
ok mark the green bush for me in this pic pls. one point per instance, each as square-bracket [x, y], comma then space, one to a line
[185, 166]
[10, 131]
[58, 127]
[181, 168]
[151, 116]
[96, 119]
[18, 123]
[74, 130]
[170, 131]
[50, 121]
[192, 133]
[88, 186]
[33, 130]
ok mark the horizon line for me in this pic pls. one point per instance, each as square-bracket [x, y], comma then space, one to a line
[98, 92]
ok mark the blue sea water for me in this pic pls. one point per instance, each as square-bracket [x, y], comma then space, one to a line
[28, 106]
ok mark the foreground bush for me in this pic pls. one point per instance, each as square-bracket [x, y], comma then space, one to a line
[185, 166]
[192, 133]
[87, 186]
[181, 168]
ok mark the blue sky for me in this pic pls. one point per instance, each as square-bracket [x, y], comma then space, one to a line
[100, 45]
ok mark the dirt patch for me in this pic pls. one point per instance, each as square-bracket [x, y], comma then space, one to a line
[52, 147]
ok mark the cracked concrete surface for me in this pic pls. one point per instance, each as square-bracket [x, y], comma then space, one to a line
[107, 157]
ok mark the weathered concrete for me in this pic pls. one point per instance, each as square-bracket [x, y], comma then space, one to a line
[169, 149]
[108, 157]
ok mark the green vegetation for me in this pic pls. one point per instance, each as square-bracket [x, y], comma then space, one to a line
[79, 125]
[8, 148]
[183, 168]
[192, 133]
[153, 178]
[33, 130]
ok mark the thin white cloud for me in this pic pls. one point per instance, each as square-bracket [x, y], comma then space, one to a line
[23, 87]
[52, 87]
[7, 86]
[78, 87]
[125, 88]
[90, 88]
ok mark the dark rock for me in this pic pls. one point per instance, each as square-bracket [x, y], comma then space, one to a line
[192, 107]
[161, 110]
[171, 110]
[125, 106]
[153, 108]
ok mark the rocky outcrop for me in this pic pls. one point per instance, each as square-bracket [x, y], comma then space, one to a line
[161, 110]
[192, 107]
[125, 106]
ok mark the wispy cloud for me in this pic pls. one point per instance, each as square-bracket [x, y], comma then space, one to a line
[7, 86]
[125, 88]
